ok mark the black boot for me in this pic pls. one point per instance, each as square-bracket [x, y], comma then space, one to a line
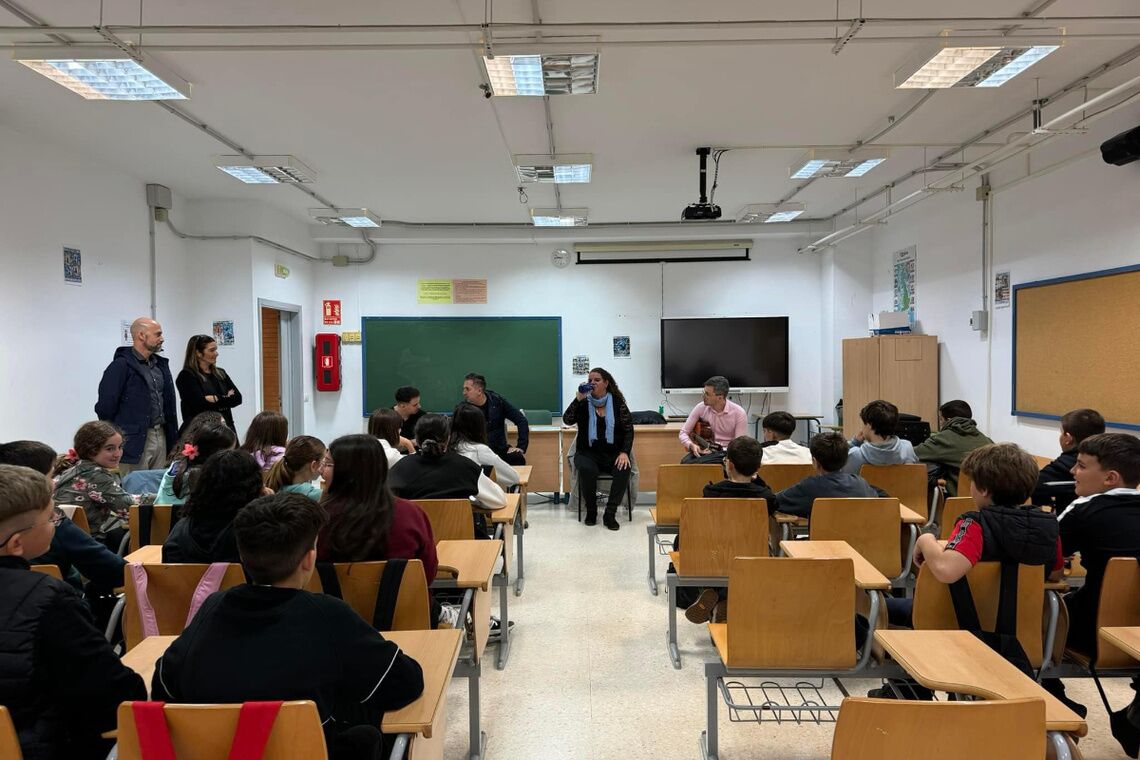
[591, 516]
[610, 518]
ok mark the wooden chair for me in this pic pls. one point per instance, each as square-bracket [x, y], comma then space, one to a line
[360, 582]
[9, 741]
[1042, 462]
[781, 476]
[78, 516]
[964, 482]
[872, 527]
[1119, 605]
[934, 610]
[169, 589]
[160, 517]
[677, 482]
[905, 482]
[52, 570]
[873, 729]
[450, 519]
[204, 732]
[715, 531]
[954, 508]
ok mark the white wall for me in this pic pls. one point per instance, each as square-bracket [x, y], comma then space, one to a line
[1078, 218]
[595, 302]
[58, 338]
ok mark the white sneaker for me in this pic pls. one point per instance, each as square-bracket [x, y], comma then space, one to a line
[449, 616]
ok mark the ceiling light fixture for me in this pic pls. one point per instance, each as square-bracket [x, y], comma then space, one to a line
[562, 169]
[347, 217]
[768, 213]
[266, 170]
[105, 73]
[553, 217]
[984, 66]
[817, 164]
[543, 74]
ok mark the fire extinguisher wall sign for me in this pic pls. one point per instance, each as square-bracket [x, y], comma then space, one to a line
[326, 362]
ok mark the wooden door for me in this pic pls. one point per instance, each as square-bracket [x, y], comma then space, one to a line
[270, 360]
[860, 379]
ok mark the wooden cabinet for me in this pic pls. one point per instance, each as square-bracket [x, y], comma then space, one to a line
[902, 369]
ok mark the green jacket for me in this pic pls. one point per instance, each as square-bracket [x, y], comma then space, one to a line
[949, 446]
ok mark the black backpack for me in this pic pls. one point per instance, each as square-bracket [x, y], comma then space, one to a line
[1003, 639]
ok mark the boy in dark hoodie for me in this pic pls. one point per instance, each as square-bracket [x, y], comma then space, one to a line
[957, 436]
[832, 481]
[1076, 426]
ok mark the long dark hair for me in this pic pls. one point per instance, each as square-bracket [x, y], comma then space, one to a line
[431, 436]
[385, 423]
[613, 386]
[210, 439]
[227, 481]
[358, 500]
[190, 432]
[468, 425]
[267, 430]
[190, 361]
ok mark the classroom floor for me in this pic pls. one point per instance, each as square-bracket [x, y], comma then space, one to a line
[589, 676]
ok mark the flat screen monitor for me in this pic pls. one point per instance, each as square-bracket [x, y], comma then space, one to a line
[752, 352]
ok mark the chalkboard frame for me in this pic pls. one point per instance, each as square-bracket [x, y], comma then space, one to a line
[1015, 411]
[367, 409]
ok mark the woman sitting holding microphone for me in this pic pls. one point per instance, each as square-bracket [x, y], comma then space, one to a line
[605, 438]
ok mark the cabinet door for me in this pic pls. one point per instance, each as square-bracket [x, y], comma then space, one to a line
[860, 379]
[908, 374]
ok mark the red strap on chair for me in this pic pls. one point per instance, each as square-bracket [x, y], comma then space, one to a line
[154, 736]
[255, 722]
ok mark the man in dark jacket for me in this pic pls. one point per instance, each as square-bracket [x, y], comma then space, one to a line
[137, 394]
[1054, 482]
[957, 436]
[497, 410]
[59, 678]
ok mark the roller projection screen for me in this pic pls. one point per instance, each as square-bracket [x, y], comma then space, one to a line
[752, 352]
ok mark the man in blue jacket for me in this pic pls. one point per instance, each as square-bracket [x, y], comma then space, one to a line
[137, 394]
[498, 410]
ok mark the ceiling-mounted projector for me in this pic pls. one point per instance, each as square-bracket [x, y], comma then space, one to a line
[702, 209]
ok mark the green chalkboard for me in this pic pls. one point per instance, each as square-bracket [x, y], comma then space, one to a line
[521, 357]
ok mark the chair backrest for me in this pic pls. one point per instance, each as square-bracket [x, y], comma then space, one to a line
[955, 507]
[781, 476]
[538, 416]
[1042, 462]
[205, 732]
[934, 610]
[677, 482]
[871, 526]
[715, 531]
[9, 741]
[360, 582]
[77, 515]
[451, 519]
[791, 613]
[170, 589]
[159, 524]
[905, 482]
[872, 729]
[964, 482]
[52, 570]
[1119, 606]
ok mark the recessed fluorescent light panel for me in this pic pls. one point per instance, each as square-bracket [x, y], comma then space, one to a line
[543, 74]
[266, 170]
[816, 164]
[552, 217]
[769, 212]
[105, 73]
[349, 217]
[564, 169]
[969, 66]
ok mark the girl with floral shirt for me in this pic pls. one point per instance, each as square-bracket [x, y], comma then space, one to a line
[87, 476]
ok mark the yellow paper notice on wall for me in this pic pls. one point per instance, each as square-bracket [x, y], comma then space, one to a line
[433, 291]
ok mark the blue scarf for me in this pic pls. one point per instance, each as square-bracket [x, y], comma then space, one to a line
[607, 401]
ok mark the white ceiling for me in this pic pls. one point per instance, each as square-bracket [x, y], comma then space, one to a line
[408, 133]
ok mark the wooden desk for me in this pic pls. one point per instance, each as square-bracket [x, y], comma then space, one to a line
[655, 445]
[543, 456]
[1126, 638]
[145, 654]
[867, 577]
[909, 516]
[512, 518]
[958, 662]
[475, 561]
[524, 471]
[150, 554]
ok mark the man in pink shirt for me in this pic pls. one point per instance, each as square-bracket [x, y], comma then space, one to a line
[724, 419]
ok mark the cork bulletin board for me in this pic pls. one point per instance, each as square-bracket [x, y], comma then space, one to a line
[1076, 343]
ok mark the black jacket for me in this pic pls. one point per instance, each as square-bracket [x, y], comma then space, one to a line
[59, 677]
[124, 398]
[193, 389]
[1025, 535]
[450, 476]
[726, 489]
[577, 414]
[408, 426]
[73, 549]
[195, 540]
[497, 410]
[1055, 472]
[254, 643]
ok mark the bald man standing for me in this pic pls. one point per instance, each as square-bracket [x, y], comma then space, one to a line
[137, 394]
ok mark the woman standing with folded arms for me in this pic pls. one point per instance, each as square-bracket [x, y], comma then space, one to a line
[202, 385]
[605, 439]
